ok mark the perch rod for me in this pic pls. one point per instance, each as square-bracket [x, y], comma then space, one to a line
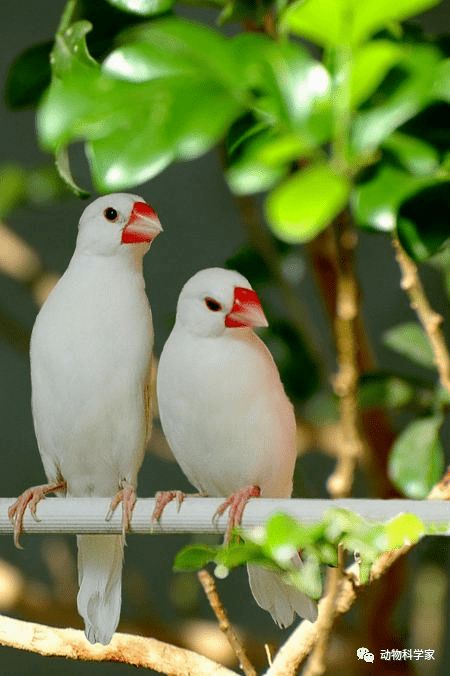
[87, 515]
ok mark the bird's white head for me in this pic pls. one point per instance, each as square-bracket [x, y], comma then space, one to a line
[118, 224]
[215, 301]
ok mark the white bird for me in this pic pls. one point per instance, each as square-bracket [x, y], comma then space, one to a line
[226, 416]
[90, 355]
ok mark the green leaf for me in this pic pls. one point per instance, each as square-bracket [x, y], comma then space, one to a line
[339, 521]
[284, 148]
[29, 76]
[64, 171]
[249, 173]
[306, 203]
[442, 82]
[12, 188]
[307, 19]
[347, 21]
[194, 557]
[307, 578]
[416, 461]
[380, 389]
[192, 44]
[404, 529]
[409, 340]
[70, 49]
[371, 62]
[413, 93]
[143, 7]
[241, 553]
[154, 101]
[292, 88]
[284, 536]
[87, 105]
[176, 119]
[415, 155]
[144, 61]
[423, 223]
[375, 203]
[371, 16]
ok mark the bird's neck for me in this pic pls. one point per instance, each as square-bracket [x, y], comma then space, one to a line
[129, 262]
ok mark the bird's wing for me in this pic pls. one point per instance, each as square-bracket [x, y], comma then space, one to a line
[149, 395]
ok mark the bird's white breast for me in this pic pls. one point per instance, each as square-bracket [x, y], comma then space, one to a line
[225, 413]
[90, 357]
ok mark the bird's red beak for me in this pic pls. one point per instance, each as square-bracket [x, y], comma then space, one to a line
[246, 311]
[143, 225]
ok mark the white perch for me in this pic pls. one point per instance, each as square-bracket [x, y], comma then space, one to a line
[87, 515]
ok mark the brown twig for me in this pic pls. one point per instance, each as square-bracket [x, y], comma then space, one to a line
[304, 637]
[209, 587]
[317, 661]
[138, 651]
[346, 380]
[375, 422]
[430, 320]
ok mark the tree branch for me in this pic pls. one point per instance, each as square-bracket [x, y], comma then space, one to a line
[138, 651]
[209, 587]
[346, 380]
[429, 319]
[317, 662]
[304, 637]
[322, 252]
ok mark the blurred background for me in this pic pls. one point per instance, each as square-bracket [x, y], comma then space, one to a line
[203, 227]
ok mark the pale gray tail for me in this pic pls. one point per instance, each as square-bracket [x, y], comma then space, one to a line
[100, 581]
[281, 600]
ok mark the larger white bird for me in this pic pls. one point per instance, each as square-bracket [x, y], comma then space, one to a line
[91, 350]
[225, 414]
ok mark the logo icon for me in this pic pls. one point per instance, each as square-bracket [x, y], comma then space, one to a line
[365, 654]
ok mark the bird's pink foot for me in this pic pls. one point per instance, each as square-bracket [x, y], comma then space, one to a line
[30, 498]
[162, 499]
[236, 505]
[127, 496]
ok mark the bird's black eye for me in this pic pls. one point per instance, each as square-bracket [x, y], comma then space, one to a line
[110, 214]
[212, 305]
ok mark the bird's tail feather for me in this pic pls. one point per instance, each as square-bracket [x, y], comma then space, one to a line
[280, 599]
[100, 581]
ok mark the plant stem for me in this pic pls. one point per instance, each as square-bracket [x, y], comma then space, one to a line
[430, 320]
[317, 662]
[302, 640]
[346, 380]
[375, 422]
[209, 587]
[67, 16]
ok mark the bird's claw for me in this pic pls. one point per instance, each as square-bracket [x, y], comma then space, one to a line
[236, 505]
[31, 497]
[162, 499]
[127, 496]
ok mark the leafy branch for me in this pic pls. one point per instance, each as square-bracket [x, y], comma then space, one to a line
[430, 320]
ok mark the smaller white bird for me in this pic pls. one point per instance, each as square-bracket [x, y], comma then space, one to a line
[90, 355]
[226, 416]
